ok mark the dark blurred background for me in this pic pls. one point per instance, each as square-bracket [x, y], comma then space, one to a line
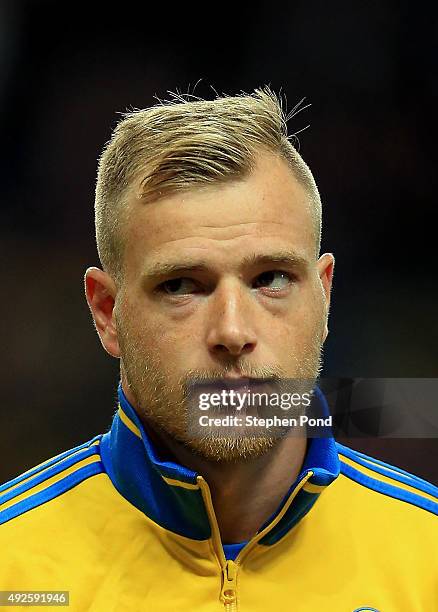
[368, 68]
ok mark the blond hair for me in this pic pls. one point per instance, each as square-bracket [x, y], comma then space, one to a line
[184, 143]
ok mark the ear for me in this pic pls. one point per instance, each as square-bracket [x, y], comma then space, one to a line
[326, 265]
[100, 291]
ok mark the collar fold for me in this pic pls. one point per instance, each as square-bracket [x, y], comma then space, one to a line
[168, 493]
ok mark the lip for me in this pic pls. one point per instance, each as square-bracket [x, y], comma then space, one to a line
[237, 384]
[232, 376]
[245, 383]
[238, 379]
[245, 378]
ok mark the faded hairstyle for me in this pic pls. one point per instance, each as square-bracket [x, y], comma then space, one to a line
[185, 143]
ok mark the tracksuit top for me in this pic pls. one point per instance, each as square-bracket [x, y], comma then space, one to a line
[120, 529]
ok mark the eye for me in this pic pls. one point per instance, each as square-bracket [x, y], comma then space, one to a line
[178, 286]
[273, 279]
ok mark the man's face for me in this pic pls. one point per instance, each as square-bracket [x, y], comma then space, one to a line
[220, 281]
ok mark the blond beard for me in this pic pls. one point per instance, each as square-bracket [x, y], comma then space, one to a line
[163, 406]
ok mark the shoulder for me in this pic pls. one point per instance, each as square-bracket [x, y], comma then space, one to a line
[50, 480]
[380, 481]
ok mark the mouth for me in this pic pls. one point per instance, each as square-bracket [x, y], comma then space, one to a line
[243, 384]
[238, 383]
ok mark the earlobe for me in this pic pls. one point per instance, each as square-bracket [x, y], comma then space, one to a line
[100, 291]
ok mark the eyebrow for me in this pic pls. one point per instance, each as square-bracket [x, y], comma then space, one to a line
[166, 268]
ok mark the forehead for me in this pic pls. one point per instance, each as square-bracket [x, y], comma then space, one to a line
[267, 209]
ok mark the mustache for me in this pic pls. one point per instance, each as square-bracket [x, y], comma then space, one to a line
[261, 373]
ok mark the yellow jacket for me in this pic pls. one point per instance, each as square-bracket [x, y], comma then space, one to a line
[121, 530]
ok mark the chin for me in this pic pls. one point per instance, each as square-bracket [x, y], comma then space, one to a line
[229, 449]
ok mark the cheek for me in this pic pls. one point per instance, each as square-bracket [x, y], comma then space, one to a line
[156, 339]
[306, 319]
[139, 332]
[146, 333]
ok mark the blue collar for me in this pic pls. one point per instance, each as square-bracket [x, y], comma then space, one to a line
[168, 493]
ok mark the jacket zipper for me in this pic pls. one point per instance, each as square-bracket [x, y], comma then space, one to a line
[229, 586]
[230, 568]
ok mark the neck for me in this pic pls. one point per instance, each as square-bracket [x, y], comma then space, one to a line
[245, 494]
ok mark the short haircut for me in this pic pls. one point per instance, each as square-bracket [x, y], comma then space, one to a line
[188, 142]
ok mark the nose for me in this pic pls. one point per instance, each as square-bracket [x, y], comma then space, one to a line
[231, 321]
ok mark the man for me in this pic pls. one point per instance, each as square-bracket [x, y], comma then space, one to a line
[208, 228]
